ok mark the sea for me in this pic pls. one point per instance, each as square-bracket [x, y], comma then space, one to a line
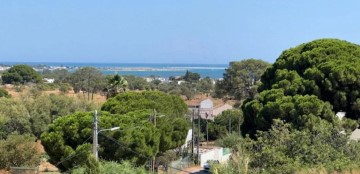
[165, 70]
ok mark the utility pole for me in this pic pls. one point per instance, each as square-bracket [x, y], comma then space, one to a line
[239, 126]
[95, 136]
[229, 124]
[198, 137]
[96, 131]
[153, 160]
[192, 133]
[207, 132]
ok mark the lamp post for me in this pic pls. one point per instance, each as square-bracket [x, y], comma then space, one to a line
[95, 135]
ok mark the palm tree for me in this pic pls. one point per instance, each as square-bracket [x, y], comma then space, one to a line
[117, 84]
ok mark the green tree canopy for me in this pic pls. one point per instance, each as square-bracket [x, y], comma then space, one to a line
[289, 150]
[140, 137]
[20, 74]
[327, 68]
[137, 140]
[71, 134]
[240, 79]
[191, 77]
[227, 122]
[148, 100]
[87, 79]
[136, 83]
[14, 118]
[116, 84]
[205, 85]
[307, 83]
[172, 126]
[18, 151]
[59, 75]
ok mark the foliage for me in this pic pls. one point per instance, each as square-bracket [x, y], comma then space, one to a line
[14, 118]
[284, 149]
[191, 77]
[148, 100]
[59, 75]
[240, 79]
[136, 83]
[287, 150]
[205, 85]
[44, 109]
[237, 164]
[186, 89]
[230, 120]
[300, 111]
[136, 141]
[231, 140]
[64, 87]
[305, 83]
[32, 113]
[111, 167]
[87, 79]
[47, 86]
[92, 166]
[4, 93]
[20, 74]
[227, 122]
[18, 151]
[116, 85]
[172, 127]
[327, 68]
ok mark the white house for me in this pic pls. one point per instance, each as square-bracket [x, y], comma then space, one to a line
[48, 80]
[206, 108]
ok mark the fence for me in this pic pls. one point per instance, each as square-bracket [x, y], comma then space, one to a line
[177, 166]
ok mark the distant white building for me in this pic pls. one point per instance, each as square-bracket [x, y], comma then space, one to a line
[48, 80]
[180, 82]
[207, 110]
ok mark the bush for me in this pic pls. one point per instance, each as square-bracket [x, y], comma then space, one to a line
[284, 149]
[4, 93]
[18, 151]
[114, 168]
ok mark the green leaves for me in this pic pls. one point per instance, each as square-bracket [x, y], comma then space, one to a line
[311, 80]
[148, 100]
[240, 79]
[327, 68]
[20, 74]
[138, 138]
[18, 151]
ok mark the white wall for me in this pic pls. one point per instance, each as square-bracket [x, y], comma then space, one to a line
[206, 104]
[214, 154]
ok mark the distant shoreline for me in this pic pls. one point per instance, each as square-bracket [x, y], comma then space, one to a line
[165, 70]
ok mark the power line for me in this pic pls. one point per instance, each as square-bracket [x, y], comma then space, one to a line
[139, 154]
[74, 155]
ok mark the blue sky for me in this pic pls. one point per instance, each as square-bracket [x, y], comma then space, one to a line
[168, 31]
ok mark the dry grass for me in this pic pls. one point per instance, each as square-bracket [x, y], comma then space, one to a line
[323, 171]
[98, 98]
[200, 97]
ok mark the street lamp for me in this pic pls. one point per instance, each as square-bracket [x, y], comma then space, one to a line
[95, 135]
[111, 129]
